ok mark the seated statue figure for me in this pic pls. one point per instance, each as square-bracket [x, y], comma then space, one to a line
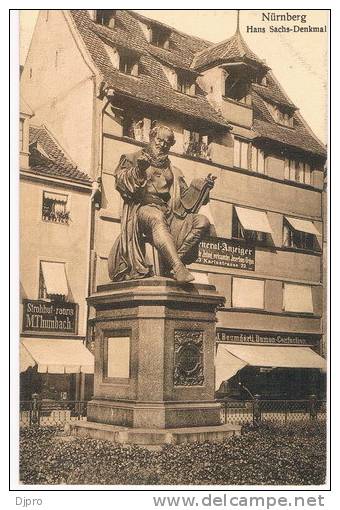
[158, 208]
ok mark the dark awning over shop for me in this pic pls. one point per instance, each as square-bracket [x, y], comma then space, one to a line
[231, 358]
[56, 356]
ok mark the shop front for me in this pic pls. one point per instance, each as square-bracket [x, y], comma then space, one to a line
[55, 369]
[273, 365]
[54, 362]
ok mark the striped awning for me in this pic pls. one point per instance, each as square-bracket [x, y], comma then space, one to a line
[230, 358]
[56, 356]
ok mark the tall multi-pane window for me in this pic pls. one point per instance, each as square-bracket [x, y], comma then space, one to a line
[241, 153]
[297, 171]
[248, 156]
[257, 160]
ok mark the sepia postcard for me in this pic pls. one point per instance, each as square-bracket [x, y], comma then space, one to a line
[173, 249]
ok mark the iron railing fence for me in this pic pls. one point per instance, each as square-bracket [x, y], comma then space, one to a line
[51, 412]
[254, 411]
[239, 412]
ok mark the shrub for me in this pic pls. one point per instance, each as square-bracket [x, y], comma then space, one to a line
[294, 454]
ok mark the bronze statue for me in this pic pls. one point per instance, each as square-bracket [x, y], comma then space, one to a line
[159, 208]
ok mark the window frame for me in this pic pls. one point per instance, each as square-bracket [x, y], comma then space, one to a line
[292, 169]
[248, 156]
[60, 298]
[246, 97]
[302, 237]
[196, 137]
[160, 37]
[247, 236]
[67, 208]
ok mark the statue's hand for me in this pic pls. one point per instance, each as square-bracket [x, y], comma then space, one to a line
[210, 180]
[143, 161]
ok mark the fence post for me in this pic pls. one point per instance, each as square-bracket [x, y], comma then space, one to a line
[35, 410]
[256, 410]
[312, 407]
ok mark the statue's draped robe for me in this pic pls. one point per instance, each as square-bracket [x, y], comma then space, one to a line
[127, 257]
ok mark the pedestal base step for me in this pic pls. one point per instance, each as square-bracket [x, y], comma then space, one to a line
[153, 437]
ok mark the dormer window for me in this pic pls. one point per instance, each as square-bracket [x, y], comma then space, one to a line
[283, 117]
[106, 17]
[261, 79]
[160, 37]
[237, 88]
[125, 61]
[185, 84]
[128, 64]
[282, 114]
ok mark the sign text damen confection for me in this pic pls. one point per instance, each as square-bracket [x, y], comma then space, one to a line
[49, 316]
[217, 251]
[258, 337]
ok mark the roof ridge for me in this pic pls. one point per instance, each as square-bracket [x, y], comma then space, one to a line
[131, 11]
[240, 42]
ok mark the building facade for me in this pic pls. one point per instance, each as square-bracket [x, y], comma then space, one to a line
[102, 78]
[55, 209]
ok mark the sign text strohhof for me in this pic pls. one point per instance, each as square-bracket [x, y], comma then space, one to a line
[49, 317]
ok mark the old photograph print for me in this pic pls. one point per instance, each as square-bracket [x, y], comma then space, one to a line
[173, 247]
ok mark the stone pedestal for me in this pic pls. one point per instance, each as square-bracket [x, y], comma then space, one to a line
[154, 355]
[154, 365]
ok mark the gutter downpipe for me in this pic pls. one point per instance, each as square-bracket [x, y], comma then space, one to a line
[98, 116]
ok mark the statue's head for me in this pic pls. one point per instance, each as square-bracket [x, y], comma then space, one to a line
[162, 138]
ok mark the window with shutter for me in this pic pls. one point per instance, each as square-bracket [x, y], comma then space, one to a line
[247, 293]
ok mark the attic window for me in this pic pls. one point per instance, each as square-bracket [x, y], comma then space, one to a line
[160, 37]
[128, 64]
[185, 84]
[106, 17]
[261, 79]
[237, 88]
[282, 115]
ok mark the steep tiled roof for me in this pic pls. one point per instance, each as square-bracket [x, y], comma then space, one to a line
[298, 137]
[47, 157]
[151, 86]
[192, 54]
[234, 48]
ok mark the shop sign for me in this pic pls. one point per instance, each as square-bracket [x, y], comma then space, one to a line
[254, 337]
[217, 251]
[51, 317]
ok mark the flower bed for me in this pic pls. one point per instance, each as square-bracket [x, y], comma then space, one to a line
[294, 454]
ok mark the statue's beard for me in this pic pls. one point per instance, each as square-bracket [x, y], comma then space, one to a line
[157, 160]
